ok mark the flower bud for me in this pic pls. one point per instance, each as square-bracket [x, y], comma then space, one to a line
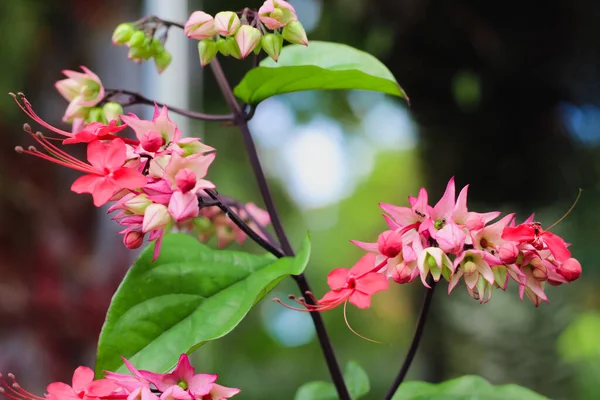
[247, 38]
[508, 252]
[156, 216]
[222, 46]
[276, 14]
[226, 23]
[95, 114]
[207, 50]
[401, 273]
[272, 44]
[390, 243]
[136, 39]
[162, 60]
[138, 204]
[156, 46]
[183, 206]
[538, 270]
[200, 26]
[570, 269]
[139, 53]
[294, 32]
[232, 48]
[151, 141]
[133, 239]
[123, 33]
[185, 179]
[112, 111]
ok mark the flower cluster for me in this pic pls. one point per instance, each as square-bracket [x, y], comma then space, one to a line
[155, 181]
[84, 92]
[239, 35]
[140, 38]
[182, 384]
[449, 241]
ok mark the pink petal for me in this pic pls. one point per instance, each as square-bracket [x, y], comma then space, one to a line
[372, 283]
[360, 300]
[366, 246]
[364, 265]
[446, 204]
[219, 392]
[201, 384]
[557, 246]
[337, 278]
[471, 280]
[184, 369]
[334, 296]
[82, 377]
[101, 388]
[128, 178]
[183, 206]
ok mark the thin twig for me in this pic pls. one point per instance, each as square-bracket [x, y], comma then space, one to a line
[414, 345]
[137, 98]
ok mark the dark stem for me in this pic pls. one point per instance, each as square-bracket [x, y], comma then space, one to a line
[241, 121]
[136, 98]
[158, 20]
[414, 345]
[265, 244]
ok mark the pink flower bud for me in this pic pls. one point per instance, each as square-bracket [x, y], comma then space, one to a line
[133, 239]
[538, 270]
[185, 180]
[451, 238]
[276, 14]
[508, 252]
[401, 273]
[570, 269]
[151, 141]
[389, 243]
[200, 26]
[247, 38]
[183, 206]
[226, 23]
[156, 216]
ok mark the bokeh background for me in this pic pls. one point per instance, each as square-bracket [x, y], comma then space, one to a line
[504, 96]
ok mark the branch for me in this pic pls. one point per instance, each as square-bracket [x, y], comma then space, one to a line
[414, 345]
[137, 98]
[241, 121]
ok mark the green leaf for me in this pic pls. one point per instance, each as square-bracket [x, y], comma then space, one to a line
[316, 390]
[320, 66]
[188, 296]
[467, 387]
[356, 379]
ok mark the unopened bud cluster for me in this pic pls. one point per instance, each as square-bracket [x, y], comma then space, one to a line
[142, 44]
[239, 35]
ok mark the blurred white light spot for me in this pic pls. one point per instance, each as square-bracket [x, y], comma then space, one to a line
[315, 164]
[272, 123]
[361, 101]
[389, 126]
[362, 154]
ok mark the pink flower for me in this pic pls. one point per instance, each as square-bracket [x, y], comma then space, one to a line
[356, 285]
[82, 90]
[147, 131]
[130, 383]
[532, 233]
[276, 14]
[197, 385]
[84, 387]
[200, 26]
[106, 174]
[472, 264]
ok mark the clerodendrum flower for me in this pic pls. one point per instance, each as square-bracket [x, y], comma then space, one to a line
[155, 180]
[183, 383]
[449, 241]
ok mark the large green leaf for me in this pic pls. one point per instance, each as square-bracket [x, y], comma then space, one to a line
[356, 379]
[318, 66]
[188, 296]
[467, 387]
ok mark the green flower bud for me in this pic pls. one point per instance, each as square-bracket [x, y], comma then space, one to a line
[162, 60]
[272, 44]
[123, 33]
[207, 50]
[136, 39]
[294, 32]
[156, 46]
[138, 54]
[232, 48]
[95, 114]
[112, 111]
[222, 46]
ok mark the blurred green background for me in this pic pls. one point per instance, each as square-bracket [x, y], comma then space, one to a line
[504, 96]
